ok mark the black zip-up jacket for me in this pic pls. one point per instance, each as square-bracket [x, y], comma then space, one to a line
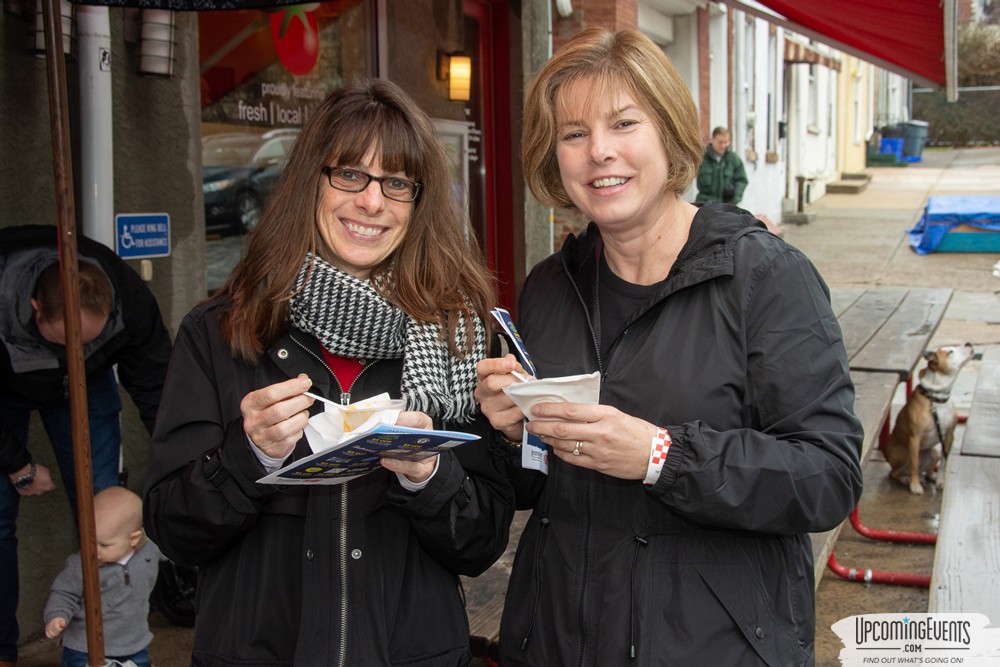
[739, 355]
[33, 369]
[361, 573]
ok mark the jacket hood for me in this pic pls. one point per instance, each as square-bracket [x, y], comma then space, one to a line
[28, 351]
[709, 247]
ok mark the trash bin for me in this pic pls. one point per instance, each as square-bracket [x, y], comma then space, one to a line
[897, 131]
[893, 147]
[914, 138]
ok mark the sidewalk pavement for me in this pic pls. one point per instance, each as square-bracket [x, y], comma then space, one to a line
[854, 239]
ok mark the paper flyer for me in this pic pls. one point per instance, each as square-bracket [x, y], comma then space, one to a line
[360, 454]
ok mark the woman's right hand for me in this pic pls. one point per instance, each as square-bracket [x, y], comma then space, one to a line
[274, 417]
[493, 375]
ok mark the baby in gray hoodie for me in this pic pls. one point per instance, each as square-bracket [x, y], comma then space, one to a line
[129, 564]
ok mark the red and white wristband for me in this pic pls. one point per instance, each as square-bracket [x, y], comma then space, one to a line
[658, 449]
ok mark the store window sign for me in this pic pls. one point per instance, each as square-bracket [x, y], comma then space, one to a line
[269, 68]
[295, 33]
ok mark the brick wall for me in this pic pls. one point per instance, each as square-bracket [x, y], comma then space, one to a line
[704, 82]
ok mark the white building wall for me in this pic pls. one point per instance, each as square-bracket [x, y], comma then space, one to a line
[718, 73]
[812, 127]
[683, 50]
[758, 88]
[892, 95]
[683, 53]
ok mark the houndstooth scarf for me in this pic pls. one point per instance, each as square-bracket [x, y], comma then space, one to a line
[350, 319]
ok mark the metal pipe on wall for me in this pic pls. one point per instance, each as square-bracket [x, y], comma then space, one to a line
[96, 140]
[738, 122]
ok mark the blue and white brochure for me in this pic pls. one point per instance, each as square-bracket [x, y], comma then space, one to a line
[507, 326]
[360, 453]
[534, 452]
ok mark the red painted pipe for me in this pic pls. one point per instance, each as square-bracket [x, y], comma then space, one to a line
[891, 535]
[878, 577]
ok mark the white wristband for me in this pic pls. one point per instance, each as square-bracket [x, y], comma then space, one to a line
[658, 449]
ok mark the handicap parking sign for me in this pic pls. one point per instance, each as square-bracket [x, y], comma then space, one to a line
[142, 235]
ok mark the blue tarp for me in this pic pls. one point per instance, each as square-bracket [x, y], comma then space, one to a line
[944, 212]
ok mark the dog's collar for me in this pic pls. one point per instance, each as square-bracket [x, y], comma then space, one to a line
[936, 397]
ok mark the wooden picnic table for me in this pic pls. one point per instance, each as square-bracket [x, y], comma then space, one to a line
[966, 574]
[886, 332]
[888, 329]
[982, 431]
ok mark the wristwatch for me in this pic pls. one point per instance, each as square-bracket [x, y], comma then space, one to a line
[27, 479]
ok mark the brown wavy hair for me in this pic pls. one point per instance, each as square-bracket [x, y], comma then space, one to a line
[615, 61]
[435, 273]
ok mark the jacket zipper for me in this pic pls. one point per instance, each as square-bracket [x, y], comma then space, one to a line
[587, 531]
[342, 539]
[639, 542]
[345, 396]
[543, 524]
[345, 399]
[586, 312]
[589, 523]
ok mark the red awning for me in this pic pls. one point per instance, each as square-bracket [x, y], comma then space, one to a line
[914, 38]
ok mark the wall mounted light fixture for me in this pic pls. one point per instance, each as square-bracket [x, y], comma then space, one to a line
[68, 21]
[456, 69]
[158, 41]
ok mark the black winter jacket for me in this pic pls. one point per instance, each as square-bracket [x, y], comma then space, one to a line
[362, 573]
[33, 369]
[739, 355]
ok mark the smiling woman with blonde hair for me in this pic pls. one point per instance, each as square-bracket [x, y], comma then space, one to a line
[673, 525]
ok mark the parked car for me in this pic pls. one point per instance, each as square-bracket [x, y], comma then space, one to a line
[238, 171]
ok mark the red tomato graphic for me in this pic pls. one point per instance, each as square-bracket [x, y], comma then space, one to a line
[295, 33]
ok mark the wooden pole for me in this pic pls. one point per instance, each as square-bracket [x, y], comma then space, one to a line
[68, 264]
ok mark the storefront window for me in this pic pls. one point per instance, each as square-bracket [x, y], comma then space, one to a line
[262, 73]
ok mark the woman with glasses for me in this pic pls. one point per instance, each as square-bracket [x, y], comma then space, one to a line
[360, 279]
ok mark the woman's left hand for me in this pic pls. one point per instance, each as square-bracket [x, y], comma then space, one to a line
[415, 471]
[606, 439]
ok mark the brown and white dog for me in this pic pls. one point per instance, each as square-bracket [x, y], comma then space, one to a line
[925, 427]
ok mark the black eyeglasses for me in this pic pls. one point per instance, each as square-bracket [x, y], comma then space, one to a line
[353, 180]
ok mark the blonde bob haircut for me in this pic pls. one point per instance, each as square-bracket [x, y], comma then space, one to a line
[614, 62]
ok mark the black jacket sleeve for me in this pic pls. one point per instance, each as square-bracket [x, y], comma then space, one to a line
[201, 497]
[13, 456]
[145, 351]
[796, 467]
[462, 517]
